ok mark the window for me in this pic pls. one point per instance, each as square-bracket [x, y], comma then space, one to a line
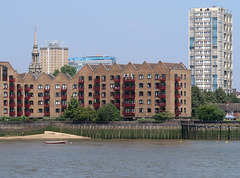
[57, 86]
[40, 102]
[57, 110]
[103, 94]
[90, 86]
[40, 94]
[148, 101]
[74, 86]
[156, 76]
[184, 93]
[149, 110]
[40, 110]
[140, 76]
[90, 102]
[140, 101]
[140, 85]
[111, 85]
[184, 110]
[149, 93]
[140, 110]
[57, 102]
[140, 93]
[90, 78]
[112, 77]
[31, 110]
[57, 94]
[40, 86]
[185, 76]
[5, 86]
[184, 101]
[31, 94]
[149, 76]
[5, 94]
[74, 94]
[112, 94]
[157, 93]
[5, 111]
[90, 94]
[184, 85]
[64, 86]
[31, 102]
[103, 78]
[31, 86]
[149, 85]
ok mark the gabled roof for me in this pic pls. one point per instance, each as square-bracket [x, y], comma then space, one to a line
[152, 65]
[122, 66]
[176, 66]
[93, 67]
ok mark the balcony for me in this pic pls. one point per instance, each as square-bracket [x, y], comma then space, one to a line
[19, 89]
[116, 88]
[117, 80]
[128, 96]
[12, 104]
[117, 105]
[12, 88]
[177, 95]
[103, 96]
[96, 96]
[19, 97]
[162, 95]
[27, 113]
[46, 97]
[11, 80]
[157, 87]
[19, 105]
[64, 105]
[27, 97]
[4, 79]
[128, 105]
[27, 105]
[81, 97]
[97, 80]
[81, 104]
[177, 104]
[19, 113]
[177, 112]
[5, 88]
[156, 95]
[96, 105]
[64, 97]
[157, 104]
[116, 96]
[46, 113]
[128, 80]
[128, 113]
[46, 105]
[162, 104]
[80, 80]
[162, 87]
[96, 88]
[128, 88]
[12, 113]
[63, 89]
[177, 87]
[81, 89]
[11, 96]
[162, 79]
[5, 104]
[103, 88]
[47, 89]
[27, 89]
[177, 79]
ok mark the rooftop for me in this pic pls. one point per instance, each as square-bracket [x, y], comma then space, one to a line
[53, 44]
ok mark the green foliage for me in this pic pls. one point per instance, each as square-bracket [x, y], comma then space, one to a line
[72, 108]
[221, 96]
[68, 69]
[108, 112]
[4, 118]
[56, 72]
[146, 120]
[198, 99]
[210, 113]
[85, 114]
[162, 116]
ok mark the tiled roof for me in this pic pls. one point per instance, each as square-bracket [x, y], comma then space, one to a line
[176, 66]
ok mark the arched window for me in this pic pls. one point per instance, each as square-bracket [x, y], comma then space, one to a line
[47, 86]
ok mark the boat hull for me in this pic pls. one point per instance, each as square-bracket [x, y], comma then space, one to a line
[56, 142]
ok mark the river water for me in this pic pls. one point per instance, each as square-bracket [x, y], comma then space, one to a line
[120, 158]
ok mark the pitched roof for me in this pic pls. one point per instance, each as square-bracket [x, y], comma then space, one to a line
[177, 66]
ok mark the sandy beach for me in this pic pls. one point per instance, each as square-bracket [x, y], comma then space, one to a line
[48, 135]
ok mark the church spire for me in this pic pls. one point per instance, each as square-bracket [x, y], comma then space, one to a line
[35, 46]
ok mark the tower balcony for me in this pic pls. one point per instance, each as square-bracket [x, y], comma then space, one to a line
[96, 105]
[128, 96]
[177, 87]
[96, 96]
[27, 89]
[64, 97]
[81, 89]
[116, 96]
[128, 105]
[19, 89]
[19, 113]
[162, 79]
[177, 79]
[162, 95]
[128, 113]
[116, 80]
[177, 112]
[80, 80]
[12, 88]
[177, 104]
[12, 104]
[11, 96]
[27, 113]
[162, 87]
[19, 97]
[97, 80]
[116, 88]
[46, 113]
[46, 105]
[11, 80]
[96, 88]
[19, 105]
[128, 88]
[12, 113]
[177, 95]
[128, 80]
[81, 97]
[27, 97]
[46, 97]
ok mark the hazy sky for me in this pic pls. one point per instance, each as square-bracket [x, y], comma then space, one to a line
[130, 30]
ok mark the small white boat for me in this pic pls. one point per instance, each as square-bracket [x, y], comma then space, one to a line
[56, 142]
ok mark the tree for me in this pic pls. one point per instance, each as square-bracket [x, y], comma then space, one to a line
[210, 113]
[221, 96]
[85, 114]
[108, 112]
[162, 116]
[68, 69]
[198, 99]
[72, 108]
[56, 72]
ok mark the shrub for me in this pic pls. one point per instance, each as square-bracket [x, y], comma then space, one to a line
[162, 116]
[146, 120]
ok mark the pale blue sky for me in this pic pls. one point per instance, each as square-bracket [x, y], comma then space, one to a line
[130, 30]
